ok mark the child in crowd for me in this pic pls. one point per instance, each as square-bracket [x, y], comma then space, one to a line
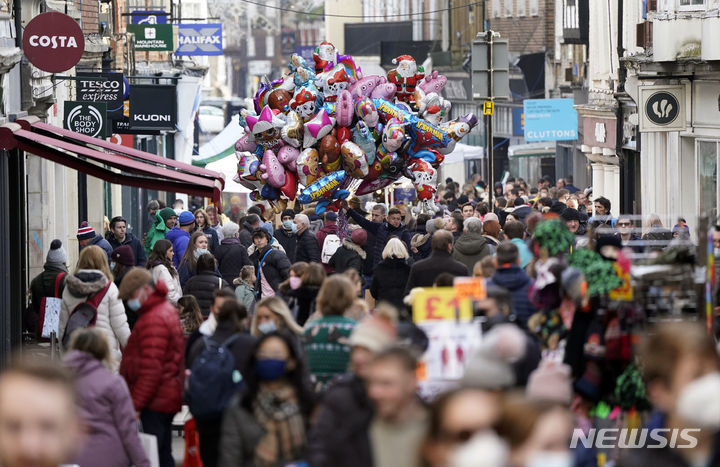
[245, 290]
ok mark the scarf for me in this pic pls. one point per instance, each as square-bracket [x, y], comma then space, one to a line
[278, 412]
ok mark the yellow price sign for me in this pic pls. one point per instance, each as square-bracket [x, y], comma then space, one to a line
[488, 108]
[441, 304]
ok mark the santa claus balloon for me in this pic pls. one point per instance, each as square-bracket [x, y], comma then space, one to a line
[405, 77]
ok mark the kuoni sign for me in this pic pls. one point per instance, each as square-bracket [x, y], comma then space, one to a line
[550, 120]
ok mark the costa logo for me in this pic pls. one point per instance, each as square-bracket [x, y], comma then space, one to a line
[53, 42]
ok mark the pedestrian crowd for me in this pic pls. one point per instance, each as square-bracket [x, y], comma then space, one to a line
[289, 337]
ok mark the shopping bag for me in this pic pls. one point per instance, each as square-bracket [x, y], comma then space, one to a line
[150, 445]
[192, 445]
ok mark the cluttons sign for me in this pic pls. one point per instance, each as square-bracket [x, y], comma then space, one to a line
[53, 42]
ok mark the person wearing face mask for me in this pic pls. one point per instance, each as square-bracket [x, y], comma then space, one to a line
[152, 363]
[197, 246]
[272, 314]
[286, 235]
[205, 282]
[267, 426]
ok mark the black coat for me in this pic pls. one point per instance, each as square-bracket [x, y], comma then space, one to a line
[339, 436]
[349, 255]
[423, 273]
[275, 267]
[288, 241]
[245, 234]
[231, 256]
[306, 297]
[382, 231]
[202, 286]
[134, 243]
[389, 281]
[308, 249]
[43, 285]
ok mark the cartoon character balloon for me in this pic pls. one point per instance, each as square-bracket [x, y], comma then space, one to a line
[405, 77]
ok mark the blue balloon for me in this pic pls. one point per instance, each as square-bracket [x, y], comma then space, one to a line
[324, 189]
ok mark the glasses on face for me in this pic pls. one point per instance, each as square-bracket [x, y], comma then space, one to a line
[624, 224]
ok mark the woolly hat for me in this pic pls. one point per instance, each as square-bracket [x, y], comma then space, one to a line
[85, 232]
[167, 213]
[133, 280]
[287, 213]
[570, 214]
[550, 382]
[373, 333]
[57, 253]
[230, 229]
[331, 216]
[359, 237]
[186, 218]
[123, 255]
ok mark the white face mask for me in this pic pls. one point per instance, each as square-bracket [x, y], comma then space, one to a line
[699, 403]
[201, 251]
[550, 459]
[267, 327]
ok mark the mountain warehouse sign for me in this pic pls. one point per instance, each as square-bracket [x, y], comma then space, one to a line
[153, 107]
[199, 39]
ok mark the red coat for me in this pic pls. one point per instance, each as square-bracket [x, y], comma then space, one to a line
[153, 361]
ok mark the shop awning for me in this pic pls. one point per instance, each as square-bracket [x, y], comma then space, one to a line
[110, 162]
[546, 149]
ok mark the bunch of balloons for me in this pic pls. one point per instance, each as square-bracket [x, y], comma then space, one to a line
[326, 131]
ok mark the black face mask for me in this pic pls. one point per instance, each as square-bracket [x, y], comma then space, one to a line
[488, 323]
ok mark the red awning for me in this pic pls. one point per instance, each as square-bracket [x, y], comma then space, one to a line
[96, 157]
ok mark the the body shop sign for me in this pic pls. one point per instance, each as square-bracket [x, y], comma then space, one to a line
[86, 118]
[53, 42]
[153, 107]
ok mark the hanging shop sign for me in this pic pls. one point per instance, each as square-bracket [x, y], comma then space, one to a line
[149, 17]
[200, 39]
[550, 120]
[153, 107]
[110, 88]
[153, 37]
[662, 108]
[86, 118]
[53, 42]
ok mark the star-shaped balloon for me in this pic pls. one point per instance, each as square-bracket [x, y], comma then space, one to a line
[320, 125]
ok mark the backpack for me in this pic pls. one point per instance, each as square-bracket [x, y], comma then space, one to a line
[330, 246]
[84, 315]
[213, 380]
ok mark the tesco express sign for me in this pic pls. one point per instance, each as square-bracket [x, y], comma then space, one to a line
[53, 42]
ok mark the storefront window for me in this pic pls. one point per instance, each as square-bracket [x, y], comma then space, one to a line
[707, 165]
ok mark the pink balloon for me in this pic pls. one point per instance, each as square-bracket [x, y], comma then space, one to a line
[274, 171]
[287, 155]
[344, 109]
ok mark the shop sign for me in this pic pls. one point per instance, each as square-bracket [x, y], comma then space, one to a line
[149, 17]
[86, 118]
[153, 37]
[153, 107]
[110, 88]
[200, 39]
[53, 42]
[662, 108]
[550, 120]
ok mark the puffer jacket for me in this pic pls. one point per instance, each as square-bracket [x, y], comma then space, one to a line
[102, 243]
[231, 256]
[275, 268]
[202, 286]
[111, 317]
[349, 255]
[153, 361]
[180, 240]
[107, 411]
[470, 248]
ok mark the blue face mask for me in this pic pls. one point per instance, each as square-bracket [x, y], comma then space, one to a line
[290, 225]
[270, 369]
[112, 265]
[201, 251]
[134, 304]
[267, 327]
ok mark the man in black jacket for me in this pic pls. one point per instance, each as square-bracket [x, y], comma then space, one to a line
[286, 236]
[391, 227]
[307, 249]
[272, 265]
[118, 236]
[423, 273]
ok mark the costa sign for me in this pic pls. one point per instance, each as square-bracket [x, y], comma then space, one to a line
[53, 42]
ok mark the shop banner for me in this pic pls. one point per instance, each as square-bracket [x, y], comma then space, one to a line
[550, 120]
[200, 39]
[153, 37]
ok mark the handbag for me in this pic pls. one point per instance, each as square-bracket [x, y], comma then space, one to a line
[192, 445]
[150, 446]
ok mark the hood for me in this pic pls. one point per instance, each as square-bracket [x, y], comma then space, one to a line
[512, 278]
[354, 247]
[82, 363]
[419, 239]
[85, 282]
[55, 267]
[470, 244]
[330, 229]
[230, 241]
[159, 296]
[159, 223]
[175, 233]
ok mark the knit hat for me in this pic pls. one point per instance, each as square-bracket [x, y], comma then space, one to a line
[85, 232]
[359, 237]
[167, 213]
[331, 216]
[133, 280]
[550, 382]
[372, 333]
[287, 213]
[57, 253]
[230, 229]
[123, 255]
[268, 227]
[491, 216]
[570, 214]
[186, 218]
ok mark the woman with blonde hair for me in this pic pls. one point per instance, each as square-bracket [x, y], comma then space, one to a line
[202, 223]
[391, 275]
[326, 338]
[92, 282]
[273, 314]
[104, 403]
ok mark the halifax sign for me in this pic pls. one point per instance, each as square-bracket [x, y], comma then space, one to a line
[199, 39]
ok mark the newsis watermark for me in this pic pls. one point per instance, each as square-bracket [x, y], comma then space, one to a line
[624, 438]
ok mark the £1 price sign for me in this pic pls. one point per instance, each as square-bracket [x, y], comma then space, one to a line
[441, 304]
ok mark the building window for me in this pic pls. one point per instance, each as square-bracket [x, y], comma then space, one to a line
[250, 46]
[706, 153]
[496, 8]
[508, 10]
[534, 8]
[521, 8]
[270, 46]
[692, 4]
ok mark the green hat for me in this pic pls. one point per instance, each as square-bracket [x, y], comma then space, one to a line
[167, 213]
